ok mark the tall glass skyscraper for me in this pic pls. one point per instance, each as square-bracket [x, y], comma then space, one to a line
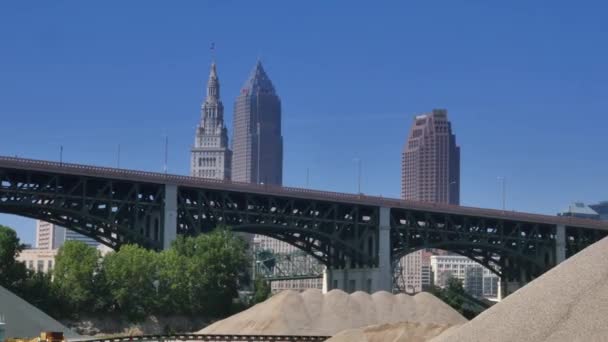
[257, 142]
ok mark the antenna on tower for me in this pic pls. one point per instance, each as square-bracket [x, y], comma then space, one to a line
[212, 48]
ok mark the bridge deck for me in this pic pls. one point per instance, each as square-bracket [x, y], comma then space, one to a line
[288, 192]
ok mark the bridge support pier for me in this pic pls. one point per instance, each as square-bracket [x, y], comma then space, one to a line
[560, 243]
[169, 215]
[371, 279]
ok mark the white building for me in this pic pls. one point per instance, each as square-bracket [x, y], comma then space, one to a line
[38, 260]
[476, 279]
[211, 157]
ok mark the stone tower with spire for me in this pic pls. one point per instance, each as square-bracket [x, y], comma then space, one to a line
[257, 141]
[211, 157]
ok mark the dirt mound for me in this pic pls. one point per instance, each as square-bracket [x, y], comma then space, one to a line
[314, 313]
[24, 320]
[393, 332]
[568, 303]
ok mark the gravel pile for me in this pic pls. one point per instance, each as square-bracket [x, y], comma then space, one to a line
[568, 303]
[25, 320]
[392, 332]
[314, 313]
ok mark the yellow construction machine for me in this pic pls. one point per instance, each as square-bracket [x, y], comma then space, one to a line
[45, 336]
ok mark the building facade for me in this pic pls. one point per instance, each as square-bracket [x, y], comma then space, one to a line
[50, 236]
[430, 172]
[38, 260]
[211, 157]
[476, 279]
[413, 273]
[430, 162]
[601, 209]
[257, 141]
[580, 210]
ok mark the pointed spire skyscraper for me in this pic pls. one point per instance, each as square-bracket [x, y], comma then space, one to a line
[211, 157]
[257, 140]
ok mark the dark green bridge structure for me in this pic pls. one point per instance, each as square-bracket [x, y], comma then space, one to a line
[358, 238]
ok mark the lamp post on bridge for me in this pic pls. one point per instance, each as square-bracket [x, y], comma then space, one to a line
[503, 179]
[358, 161]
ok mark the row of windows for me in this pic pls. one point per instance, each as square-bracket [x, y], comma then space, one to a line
[207, 162]
[40, 265]
[207, 173]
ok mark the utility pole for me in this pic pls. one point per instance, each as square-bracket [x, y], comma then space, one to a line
[61, 155]
[358, 161]
[166, 152]
[503, 179]
[307, 176]
[118, 157]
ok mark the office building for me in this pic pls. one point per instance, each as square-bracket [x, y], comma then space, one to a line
[210, 156]
[601, 209]
[257, 141]
[51, 236]
[581, 210]
[476, 279]
[430, 172]
[431, 161]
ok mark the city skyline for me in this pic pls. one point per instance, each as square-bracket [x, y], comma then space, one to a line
[352, 95]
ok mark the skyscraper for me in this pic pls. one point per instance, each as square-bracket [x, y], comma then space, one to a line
[257, 140]
[430, 163]
[430, 172]
[211, 157]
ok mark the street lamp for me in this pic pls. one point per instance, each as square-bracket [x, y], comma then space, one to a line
[503, 179]
[358, 161]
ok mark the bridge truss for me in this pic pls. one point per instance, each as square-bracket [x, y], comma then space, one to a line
[116, 206]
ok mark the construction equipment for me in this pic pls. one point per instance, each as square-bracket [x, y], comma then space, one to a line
[45, 336]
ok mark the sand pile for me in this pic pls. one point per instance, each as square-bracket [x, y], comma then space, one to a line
[314, 313]
[392, 332]
[24, 320]
[568, 303]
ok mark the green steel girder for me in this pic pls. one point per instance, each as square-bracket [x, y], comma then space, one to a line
[504, 247]
[331, 232]
[286, 266]
[116, 211]
[112, 212]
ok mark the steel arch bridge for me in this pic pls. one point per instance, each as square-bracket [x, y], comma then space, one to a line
[348, 233]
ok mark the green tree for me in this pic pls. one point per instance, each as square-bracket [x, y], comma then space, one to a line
[12, 273]
[216, 260]
[261, 291]
[130, 276]
[173, 283]
[76, 266]
[455, 296]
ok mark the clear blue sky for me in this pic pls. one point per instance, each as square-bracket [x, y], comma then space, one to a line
[525, 84]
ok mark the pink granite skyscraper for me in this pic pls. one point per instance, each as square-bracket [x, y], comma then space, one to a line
[430, 172]
[430, 163]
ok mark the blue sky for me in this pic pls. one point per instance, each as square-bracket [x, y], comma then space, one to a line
[525, 84]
